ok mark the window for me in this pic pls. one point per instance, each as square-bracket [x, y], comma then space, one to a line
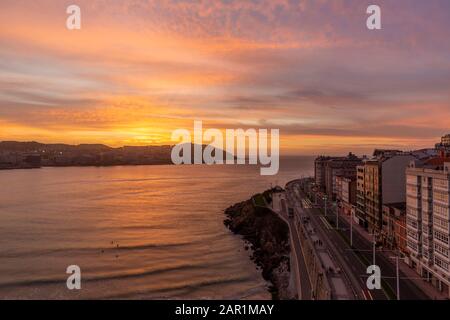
[441, 211]
[412, 190]
[412, 245]
[412, 235]
[411, 222]
[412, 212]
[411, 179]
[440, 249]
[438, 235]
[439, 222]
[441, 184]
[440, 263]
[441, 196]
[413, 202]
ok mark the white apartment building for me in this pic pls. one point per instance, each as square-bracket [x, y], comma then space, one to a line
[428, 220]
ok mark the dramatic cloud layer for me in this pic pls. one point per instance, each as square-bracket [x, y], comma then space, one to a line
[139, 69]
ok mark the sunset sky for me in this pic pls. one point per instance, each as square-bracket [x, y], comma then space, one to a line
[137, 70]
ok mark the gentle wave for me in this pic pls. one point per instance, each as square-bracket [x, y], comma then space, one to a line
[105, 277]
[37, 253]
[167, 220]
[186, 287]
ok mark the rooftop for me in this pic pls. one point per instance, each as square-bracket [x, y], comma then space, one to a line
[396, 205]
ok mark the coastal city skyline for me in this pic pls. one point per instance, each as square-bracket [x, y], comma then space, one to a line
[219, 156]
[267, 64]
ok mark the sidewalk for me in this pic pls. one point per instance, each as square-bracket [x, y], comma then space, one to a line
[423, 285]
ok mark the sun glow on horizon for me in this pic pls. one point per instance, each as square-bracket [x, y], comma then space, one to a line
[136, 72]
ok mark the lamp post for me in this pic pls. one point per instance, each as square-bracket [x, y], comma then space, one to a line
[325, 204]
[374, 248]
[337, 215]
[397, 271]
[351, 225]
[398, 278]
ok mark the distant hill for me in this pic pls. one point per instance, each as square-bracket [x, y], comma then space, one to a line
[13, 153]
[36, 146]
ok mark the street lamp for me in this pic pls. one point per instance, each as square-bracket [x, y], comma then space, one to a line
[325, 204]
[397, 275]
[397, 271]
[374, 247]
[352, 212]
[337, 214]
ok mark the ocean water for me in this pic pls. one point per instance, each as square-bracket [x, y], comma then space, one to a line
[143, 232]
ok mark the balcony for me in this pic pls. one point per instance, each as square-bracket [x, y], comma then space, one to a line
[440, 255]
[442, 243]
[412, 182]
[409, 238]
[445, 230]
[442, 202]
[441, 188]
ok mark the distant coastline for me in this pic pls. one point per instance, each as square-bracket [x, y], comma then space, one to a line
[33, 155]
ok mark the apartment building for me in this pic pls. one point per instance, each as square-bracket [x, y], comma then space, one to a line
[393, 230]
[319, 171]
[380, 181]
[346, 194]
[444, 144]
[445, 140]
[326, 170]
[427, 220]
[343, 167]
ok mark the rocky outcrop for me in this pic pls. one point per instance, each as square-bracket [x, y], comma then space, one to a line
[267, 236]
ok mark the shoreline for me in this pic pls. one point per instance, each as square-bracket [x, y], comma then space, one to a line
[89, 166]
[266, 237]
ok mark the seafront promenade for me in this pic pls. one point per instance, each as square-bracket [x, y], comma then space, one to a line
[360, 254]
[327, 267]
[321, 275]
[301, 278]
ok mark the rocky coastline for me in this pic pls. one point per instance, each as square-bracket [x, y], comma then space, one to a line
[267, 236]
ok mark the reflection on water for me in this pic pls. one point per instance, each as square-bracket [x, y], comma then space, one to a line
[136, 232]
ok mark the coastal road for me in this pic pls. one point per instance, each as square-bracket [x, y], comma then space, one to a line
[304, 283]
[348, 261]
[408, 290]
[361, 256]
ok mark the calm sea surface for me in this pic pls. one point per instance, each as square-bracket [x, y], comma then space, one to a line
[144, 232]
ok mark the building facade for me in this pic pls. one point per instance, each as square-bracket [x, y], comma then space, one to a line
[346, 194]
[400, 234]
[427, 219]
[445, 140]
[342, 166]
[319, 171]
[380, 181]
[393, 230]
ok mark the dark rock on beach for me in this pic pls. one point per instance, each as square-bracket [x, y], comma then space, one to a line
[267, 236]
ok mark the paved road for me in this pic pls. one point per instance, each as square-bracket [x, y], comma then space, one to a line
[408, 290]
[347, 260]
[362, 246]
[305, 284]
